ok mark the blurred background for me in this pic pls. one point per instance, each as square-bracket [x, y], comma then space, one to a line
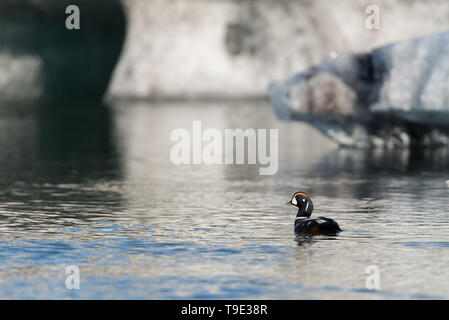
[188, 48]
[86, 178]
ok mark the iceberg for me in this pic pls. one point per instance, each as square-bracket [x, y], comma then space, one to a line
[395, 95]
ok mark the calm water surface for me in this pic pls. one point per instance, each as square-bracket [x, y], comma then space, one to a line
[93, 186]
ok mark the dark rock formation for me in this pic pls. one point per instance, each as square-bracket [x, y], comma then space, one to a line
[42, 58]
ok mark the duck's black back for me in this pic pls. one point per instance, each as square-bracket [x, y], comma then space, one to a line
[320, 225]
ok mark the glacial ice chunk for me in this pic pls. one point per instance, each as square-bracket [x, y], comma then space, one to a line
[408, 80]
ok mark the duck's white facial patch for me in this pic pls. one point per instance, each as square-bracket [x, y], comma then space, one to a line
[307, 205]
[294, 201]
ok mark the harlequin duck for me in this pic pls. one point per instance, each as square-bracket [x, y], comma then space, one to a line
[306, 225]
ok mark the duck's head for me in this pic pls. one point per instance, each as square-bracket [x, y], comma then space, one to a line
[303, 202]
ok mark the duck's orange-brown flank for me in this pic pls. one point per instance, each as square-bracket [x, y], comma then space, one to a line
[314, 230]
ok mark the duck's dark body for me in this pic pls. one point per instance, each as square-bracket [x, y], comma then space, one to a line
[306, 225]
[321, 225]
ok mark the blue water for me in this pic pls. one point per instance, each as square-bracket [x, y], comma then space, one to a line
[93, 186]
